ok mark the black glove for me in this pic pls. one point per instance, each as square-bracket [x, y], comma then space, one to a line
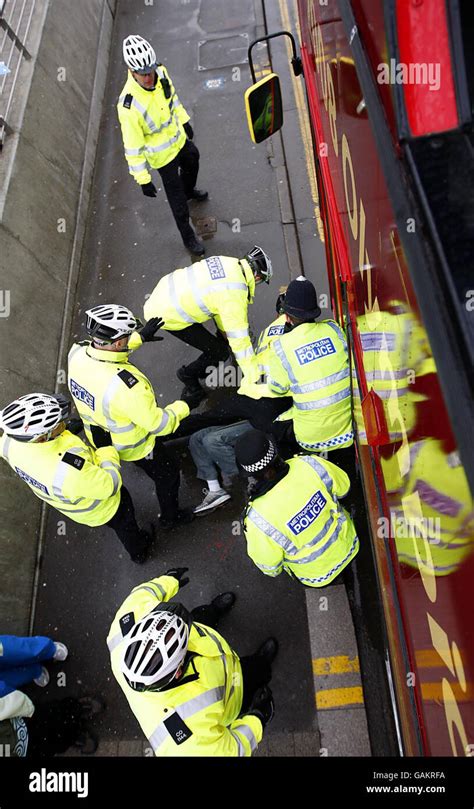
[189, 130]
[100, 437]
[178, 573]
[262, 705]
[192, 398]
[147, 333]
[75, 426]
[149, 190]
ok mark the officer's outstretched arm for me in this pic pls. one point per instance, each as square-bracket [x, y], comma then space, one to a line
[133, 143]
[240, 739]
[144, 597]
[156, 420]
[278, 380]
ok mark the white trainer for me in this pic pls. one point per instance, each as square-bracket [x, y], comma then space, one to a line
[211, 501]
[61, 651]
[43, 679]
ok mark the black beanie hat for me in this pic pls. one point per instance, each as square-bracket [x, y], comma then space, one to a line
[301, 300]
[254, 451]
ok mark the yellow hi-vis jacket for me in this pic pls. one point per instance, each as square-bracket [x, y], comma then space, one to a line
[257, 390]
[219, 287]
[152, 125]
[395, 350]
[431, 508]
[310, 362]
[298, 525]
[81, 482]
[114, 394]
[200, 716]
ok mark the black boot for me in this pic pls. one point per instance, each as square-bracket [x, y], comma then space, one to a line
[198, 195]
[223, 603]
[194, 246]
[268, 650]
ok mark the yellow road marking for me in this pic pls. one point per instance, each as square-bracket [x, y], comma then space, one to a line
[339, 697]
[302, 115]
[340, 664]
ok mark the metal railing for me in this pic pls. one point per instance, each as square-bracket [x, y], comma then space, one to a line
[15, 21]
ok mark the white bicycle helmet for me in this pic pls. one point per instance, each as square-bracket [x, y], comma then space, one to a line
[34, 415]
[156, 647]
[109, 322]
[260, 263]
[138, 54]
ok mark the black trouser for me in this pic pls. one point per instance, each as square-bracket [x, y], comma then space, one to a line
[256, 671]
[164, 471]
[179, 178]
[125, 525]
[259, 412]
[54, 727]
[214, 347]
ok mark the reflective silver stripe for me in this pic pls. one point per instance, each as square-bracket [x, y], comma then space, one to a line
[197, 293]
[175, 301]
[133, 152]
[223, 655]
[147, 118]
[339, 332]
[318, 404]
[112, 425]
[112, 471]
[268, 572]
[82, 510]
[121, 447]
[220, 285]
[284, 361]
[274, 384]
[245, 354]
[164, 421]
[384, 376]
[239, 744]
[6, 448]
[175, 102]
[269, 567]
[165, 145]
[272, 532]
[59, 478]
[320, 470]
[321, 383]
[246, 731]
[114, 641]
[333, 570]
[150, 589]
[319, 552]
[235, 335]
[386, 394]
[73, 351]
[140, 167]
[185, 710]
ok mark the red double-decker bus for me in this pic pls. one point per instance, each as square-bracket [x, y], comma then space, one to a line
[390, 99]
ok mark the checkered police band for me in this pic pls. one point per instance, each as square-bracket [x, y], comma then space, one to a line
[264, 462]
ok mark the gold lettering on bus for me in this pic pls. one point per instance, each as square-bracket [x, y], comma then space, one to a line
[351, 205]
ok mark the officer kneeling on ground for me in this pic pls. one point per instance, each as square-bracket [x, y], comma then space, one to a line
[218, 288]
[82, 482]
[189, 691]
[293, 520]
[157, 134]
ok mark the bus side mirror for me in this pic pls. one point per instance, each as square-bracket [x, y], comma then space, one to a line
[264, 108]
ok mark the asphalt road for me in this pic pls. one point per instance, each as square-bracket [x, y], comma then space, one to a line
[131, 242]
